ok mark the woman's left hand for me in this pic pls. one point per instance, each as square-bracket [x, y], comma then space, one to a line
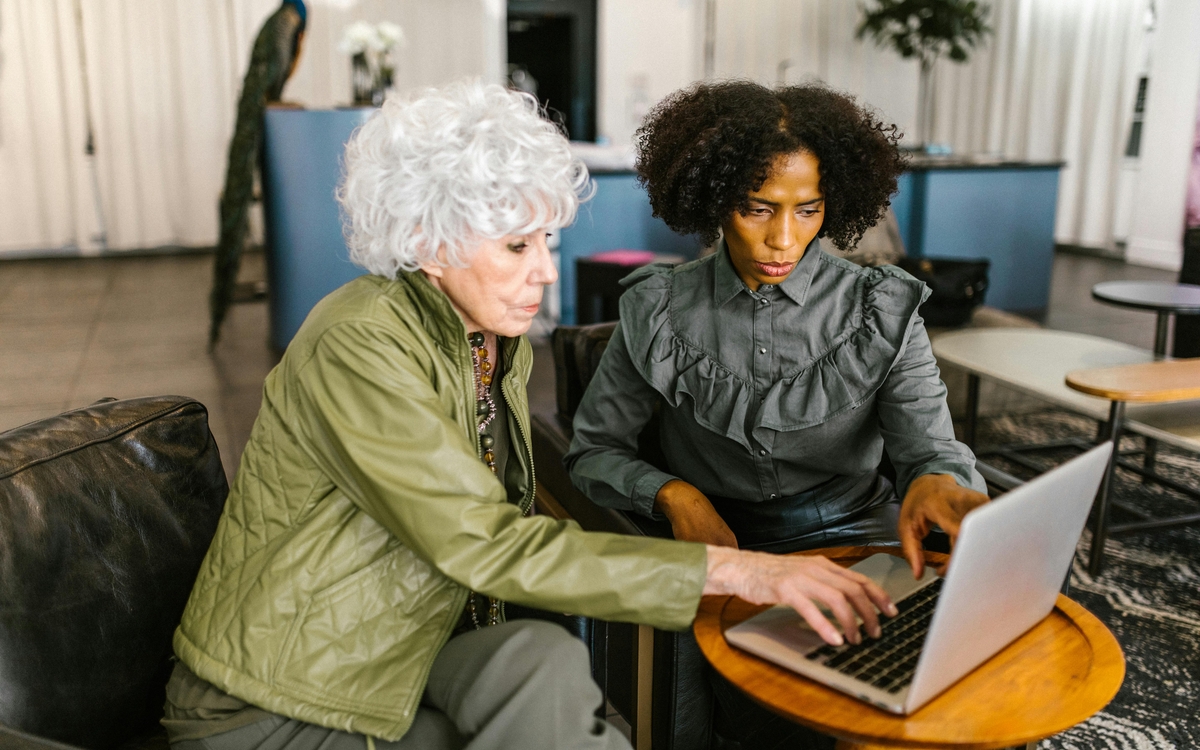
[933, 499]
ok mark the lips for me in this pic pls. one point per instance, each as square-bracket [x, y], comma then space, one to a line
[774, 269]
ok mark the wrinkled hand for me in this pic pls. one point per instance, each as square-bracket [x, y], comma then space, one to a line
[692, 516]
[801, 582]
[933, 499]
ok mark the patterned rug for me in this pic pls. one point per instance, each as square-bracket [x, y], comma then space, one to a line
[1148, 594]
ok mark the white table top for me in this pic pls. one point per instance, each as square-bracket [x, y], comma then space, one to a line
[1036, 362]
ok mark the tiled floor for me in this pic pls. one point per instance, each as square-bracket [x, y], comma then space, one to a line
[74, 330]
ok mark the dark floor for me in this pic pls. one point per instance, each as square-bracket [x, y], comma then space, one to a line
[1073, 309]
[76, 330]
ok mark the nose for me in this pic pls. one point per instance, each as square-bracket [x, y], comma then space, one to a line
[781, 232]
[544, 271]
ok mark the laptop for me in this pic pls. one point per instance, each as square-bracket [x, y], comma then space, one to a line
[1009, 564]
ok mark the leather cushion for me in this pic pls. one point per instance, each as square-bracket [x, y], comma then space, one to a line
[105, 515]
[577, 352]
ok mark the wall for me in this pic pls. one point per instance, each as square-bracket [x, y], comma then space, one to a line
[649, 48]
[646, 50]
[447, 39]
[1157, 223]
[790, 41]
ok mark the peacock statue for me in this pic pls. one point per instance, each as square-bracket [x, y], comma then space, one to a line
[276, 52]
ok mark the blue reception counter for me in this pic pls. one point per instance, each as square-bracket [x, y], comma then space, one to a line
[946, 207]
[1004, 211]
[307, 256]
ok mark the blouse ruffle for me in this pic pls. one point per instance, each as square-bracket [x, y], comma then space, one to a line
[846, 372]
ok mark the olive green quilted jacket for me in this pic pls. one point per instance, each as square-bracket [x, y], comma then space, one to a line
[361, 515]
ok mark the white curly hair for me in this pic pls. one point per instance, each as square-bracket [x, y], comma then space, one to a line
[442, 168]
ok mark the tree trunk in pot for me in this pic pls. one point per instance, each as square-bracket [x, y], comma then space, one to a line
[925, 105]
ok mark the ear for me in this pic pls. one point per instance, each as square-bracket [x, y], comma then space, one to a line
[435, 270]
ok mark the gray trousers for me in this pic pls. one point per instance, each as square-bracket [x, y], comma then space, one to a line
[523, 684]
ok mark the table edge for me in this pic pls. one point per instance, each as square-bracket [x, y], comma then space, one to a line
[1108, 658]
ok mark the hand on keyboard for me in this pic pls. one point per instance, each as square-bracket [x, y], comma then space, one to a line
[803, 583]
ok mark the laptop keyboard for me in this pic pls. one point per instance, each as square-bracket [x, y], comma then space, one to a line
[887, 662]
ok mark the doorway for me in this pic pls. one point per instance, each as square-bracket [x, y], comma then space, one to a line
[552, 55]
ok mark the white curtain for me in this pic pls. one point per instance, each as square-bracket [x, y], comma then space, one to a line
[1055, 81]
[163, 78]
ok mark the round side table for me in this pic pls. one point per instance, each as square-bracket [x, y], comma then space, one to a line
[1163, 297]
[1059, 673]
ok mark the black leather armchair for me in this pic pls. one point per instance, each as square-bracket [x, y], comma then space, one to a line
[106, 513]
[645, 672]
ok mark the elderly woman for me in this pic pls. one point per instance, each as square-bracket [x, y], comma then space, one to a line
[352, 596]
[780, 373]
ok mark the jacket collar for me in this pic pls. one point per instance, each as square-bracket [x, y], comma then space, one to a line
[727, 283]
[443, 323]
[439, 316]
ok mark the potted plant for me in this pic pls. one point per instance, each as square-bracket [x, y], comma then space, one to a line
[926, 30]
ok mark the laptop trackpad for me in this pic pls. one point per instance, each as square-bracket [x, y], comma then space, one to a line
[893, 574]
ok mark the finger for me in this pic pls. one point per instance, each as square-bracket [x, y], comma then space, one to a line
[910, 543]
[880, 598]
[837, 603]
[817, 621]
[857, 595]
[873, 592]
[948, 521]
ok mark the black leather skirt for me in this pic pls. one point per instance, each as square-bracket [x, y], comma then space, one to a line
[842, 512]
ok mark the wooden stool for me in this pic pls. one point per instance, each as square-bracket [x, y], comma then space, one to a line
[1062, 671]
[1152, 382]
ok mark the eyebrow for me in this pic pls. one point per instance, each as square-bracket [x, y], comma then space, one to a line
[766, 202]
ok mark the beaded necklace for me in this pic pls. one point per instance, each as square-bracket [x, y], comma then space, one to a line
[485, 410]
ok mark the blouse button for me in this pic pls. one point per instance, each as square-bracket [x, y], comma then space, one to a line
[762, 452]
[772, 495]
[762, 351]
[764, 302]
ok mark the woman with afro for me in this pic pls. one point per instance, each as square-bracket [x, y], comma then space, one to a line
[781, 373]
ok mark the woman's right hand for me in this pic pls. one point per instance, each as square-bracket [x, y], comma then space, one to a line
[692, 516]
[802, 582]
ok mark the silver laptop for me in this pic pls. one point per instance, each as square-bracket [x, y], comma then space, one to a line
[1008, 566]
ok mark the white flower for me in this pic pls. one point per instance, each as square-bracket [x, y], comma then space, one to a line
[357, 38]
[390, 34]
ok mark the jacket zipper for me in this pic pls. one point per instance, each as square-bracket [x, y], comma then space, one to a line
[527, 501]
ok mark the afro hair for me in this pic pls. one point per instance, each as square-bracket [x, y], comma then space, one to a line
[704, 149]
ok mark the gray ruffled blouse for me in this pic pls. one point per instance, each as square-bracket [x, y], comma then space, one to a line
[765, 394]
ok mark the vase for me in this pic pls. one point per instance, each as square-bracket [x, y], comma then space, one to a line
[383, 82]
[361, 80]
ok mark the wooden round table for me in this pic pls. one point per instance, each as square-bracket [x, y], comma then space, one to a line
[1059, 673]
[1162, 297]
